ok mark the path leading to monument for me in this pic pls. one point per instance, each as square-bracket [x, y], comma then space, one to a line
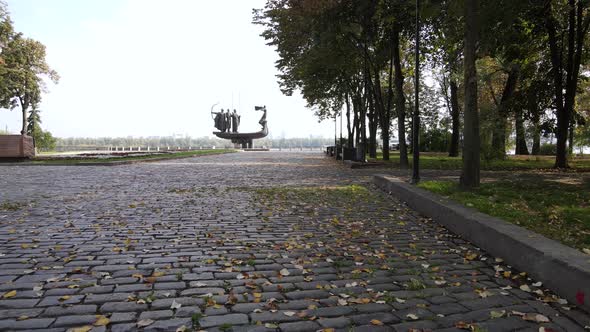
[248, 241]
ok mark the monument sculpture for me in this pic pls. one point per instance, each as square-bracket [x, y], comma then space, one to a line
[227, 124]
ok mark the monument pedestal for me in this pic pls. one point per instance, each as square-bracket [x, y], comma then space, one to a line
[16, 146]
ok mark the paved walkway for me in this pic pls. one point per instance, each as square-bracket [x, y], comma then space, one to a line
[190, 245]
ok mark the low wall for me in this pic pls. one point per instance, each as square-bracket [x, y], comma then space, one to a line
[562, 269]
[16, 146]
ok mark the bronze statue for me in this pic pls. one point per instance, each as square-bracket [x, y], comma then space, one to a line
[219, 120]
[235, 121]
[228, 123]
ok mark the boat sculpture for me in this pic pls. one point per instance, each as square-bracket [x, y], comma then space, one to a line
[227, 123]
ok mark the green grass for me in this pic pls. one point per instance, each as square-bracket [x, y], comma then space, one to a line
[558, 210]
[163, 156]
[429, 160]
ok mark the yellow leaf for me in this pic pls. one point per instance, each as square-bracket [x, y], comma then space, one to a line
[24, 246]
[23, 317]
[84, 328]
[65, 298]
[471, 256]
[158, 274]
[257, 295]
[376, 322]
[101, 320]
[10, 294]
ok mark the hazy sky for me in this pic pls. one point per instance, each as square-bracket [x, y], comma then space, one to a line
[154, 68]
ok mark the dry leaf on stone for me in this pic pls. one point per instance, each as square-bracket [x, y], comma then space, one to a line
[10, 294]
[85, 328]
[144, 323]
[376, 322]
[175, 305]
[412, 316]
[289, 313]
[525, 288]
[101, 321]
[497, 314]
[533, 317]
[284, 272]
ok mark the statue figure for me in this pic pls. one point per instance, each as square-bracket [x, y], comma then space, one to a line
[227, 118]
[219, 120]
[235, 121]
[262, 121]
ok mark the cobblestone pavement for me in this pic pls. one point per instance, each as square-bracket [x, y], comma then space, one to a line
[190, 245]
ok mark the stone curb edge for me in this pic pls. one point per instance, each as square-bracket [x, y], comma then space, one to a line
[111, 163]
[562, 269]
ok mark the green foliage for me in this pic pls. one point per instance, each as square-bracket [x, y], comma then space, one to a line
[556, 209]
[548, 149]
[22, 69]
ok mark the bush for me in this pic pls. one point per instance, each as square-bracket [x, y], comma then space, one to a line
[548, 149]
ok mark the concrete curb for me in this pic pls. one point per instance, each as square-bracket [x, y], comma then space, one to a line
[358, 164]
[562, 269]
[110, 163]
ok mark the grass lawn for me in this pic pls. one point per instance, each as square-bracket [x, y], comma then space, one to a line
[160, 156]
[558, 210]
[431, 160]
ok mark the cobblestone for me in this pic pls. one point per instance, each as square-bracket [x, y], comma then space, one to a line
[225, 241]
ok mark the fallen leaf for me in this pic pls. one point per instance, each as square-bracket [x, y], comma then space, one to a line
[536, 318]
[412, 316]
[497, 314]
[101, 321]
[144, 323]
[175, 305]
[289, 313]
[525, 288]
[10, 294]
[463, 325]
[271, 326]
[23, 317]
[284, 272]
[64, 298]
[376, 322]
[84, 328]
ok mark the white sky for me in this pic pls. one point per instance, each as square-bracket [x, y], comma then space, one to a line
[154, 68]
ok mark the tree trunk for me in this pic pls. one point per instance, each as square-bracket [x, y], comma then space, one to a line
[24, 108]
[499, 131]
[349, 128]
[400, 102]
[561, 113]
[454, 148]
[536, 133]
[521, 148]
[570, 144]
[471, 148]
[382, 113]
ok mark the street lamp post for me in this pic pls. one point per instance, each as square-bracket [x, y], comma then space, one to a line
[416, 115]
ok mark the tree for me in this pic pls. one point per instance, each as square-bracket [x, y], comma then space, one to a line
[43, 140]
[471, 149]
[25, 69]
[566, 22]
